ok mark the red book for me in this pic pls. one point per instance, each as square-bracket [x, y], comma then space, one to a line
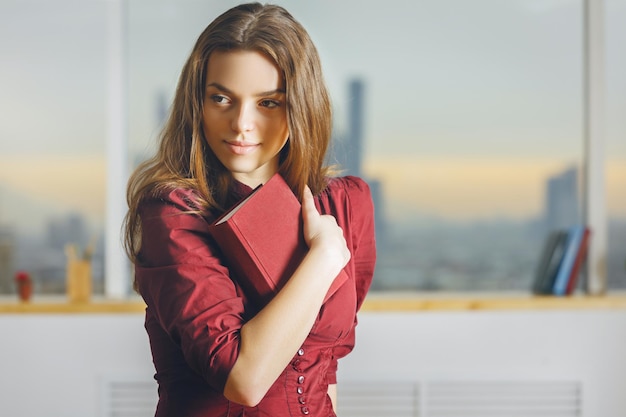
[581, 255]
[262, 241]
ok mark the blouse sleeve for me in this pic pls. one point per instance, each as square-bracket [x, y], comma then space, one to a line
[363, 237]
[187, 289]
[360, 208]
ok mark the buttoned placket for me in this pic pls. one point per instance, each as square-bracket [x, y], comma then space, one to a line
[295, 365]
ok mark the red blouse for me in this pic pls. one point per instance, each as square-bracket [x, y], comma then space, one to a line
[195, 310]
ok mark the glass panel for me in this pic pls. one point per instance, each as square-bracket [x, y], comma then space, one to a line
[473, 131]
[160, 37]
[465, 117]
[616, 143]
[52, 168]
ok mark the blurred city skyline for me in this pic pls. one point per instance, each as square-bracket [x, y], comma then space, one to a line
[469, 108]
[464, 117]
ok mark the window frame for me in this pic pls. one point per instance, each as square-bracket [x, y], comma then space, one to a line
[117, 268]
[594, 194]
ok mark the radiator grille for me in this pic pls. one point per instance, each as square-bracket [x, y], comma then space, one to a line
[502, 398]
[460, 399]
[129, 397]
[374, 399]
[137, 397]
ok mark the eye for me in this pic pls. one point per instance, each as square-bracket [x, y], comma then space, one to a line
[270, 104]
[219, 99]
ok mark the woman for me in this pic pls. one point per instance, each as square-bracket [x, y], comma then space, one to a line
[250, 102]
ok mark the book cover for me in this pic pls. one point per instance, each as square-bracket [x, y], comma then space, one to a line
[262, 240]
[574, 238]
[549, 262]
[581, 256]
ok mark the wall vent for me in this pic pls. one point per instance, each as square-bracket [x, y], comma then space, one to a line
[460, 399]
[136, 396]
[377, 399]
[502, 398]
[129, 396]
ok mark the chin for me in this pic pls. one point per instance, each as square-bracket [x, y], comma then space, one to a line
[246, 169]
[251, 168]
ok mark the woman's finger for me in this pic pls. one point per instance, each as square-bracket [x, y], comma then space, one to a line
[310, 215]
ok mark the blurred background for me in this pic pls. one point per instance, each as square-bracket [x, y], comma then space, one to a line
[466, 117]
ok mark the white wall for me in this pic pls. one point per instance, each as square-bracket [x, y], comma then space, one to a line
[53, 365]
[587, 346]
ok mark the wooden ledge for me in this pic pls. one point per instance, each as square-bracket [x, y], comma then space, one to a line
[62, 306]
[375, 302]
[381, 302]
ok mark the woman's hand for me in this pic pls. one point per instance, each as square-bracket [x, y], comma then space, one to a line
[322, 233]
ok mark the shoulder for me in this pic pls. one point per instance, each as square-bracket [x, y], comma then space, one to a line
[347, 182]
[178, 197]
[351, 186]
[348, 198]
[170, 202]
[350, 192]
[173, 229]
[165, 213]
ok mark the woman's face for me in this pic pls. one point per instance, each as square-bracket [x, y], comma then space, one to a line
[245, 116]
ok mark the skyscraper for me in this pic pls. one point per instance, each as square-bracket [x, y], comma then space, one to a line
[562, 200]
[354, 137]
[347, 151]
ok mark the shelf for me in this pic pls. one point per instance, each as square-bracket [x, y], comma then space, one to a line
[381, 302]
[59, 305]
[375, 302]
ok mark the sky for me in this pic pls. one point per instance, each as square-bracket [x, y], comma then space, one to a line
[470, 105]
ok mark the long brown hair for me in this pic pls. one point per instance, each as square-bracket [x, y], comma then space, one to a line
[184, 158]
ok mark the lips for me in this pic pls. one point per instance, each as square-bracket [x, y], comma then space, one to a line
[241, 148]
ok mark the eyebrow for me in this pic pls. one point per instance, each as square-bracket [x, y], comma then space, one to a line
[263, 93]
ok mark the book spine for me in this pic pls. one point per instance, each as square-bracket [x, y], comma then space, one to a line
[578, 263]
[545, 257]
[575, 235]
[546, 279]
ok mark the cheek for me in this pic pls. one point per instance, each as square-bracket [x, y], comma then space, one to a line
[210, 124]
[275, 131]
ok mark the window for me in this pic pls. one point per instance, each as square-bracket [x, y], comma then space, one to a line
[616, 144]
[465, 117]
[52, 165]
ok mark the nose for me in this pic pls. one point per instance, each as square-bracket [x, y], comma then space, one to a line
[243, 119]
